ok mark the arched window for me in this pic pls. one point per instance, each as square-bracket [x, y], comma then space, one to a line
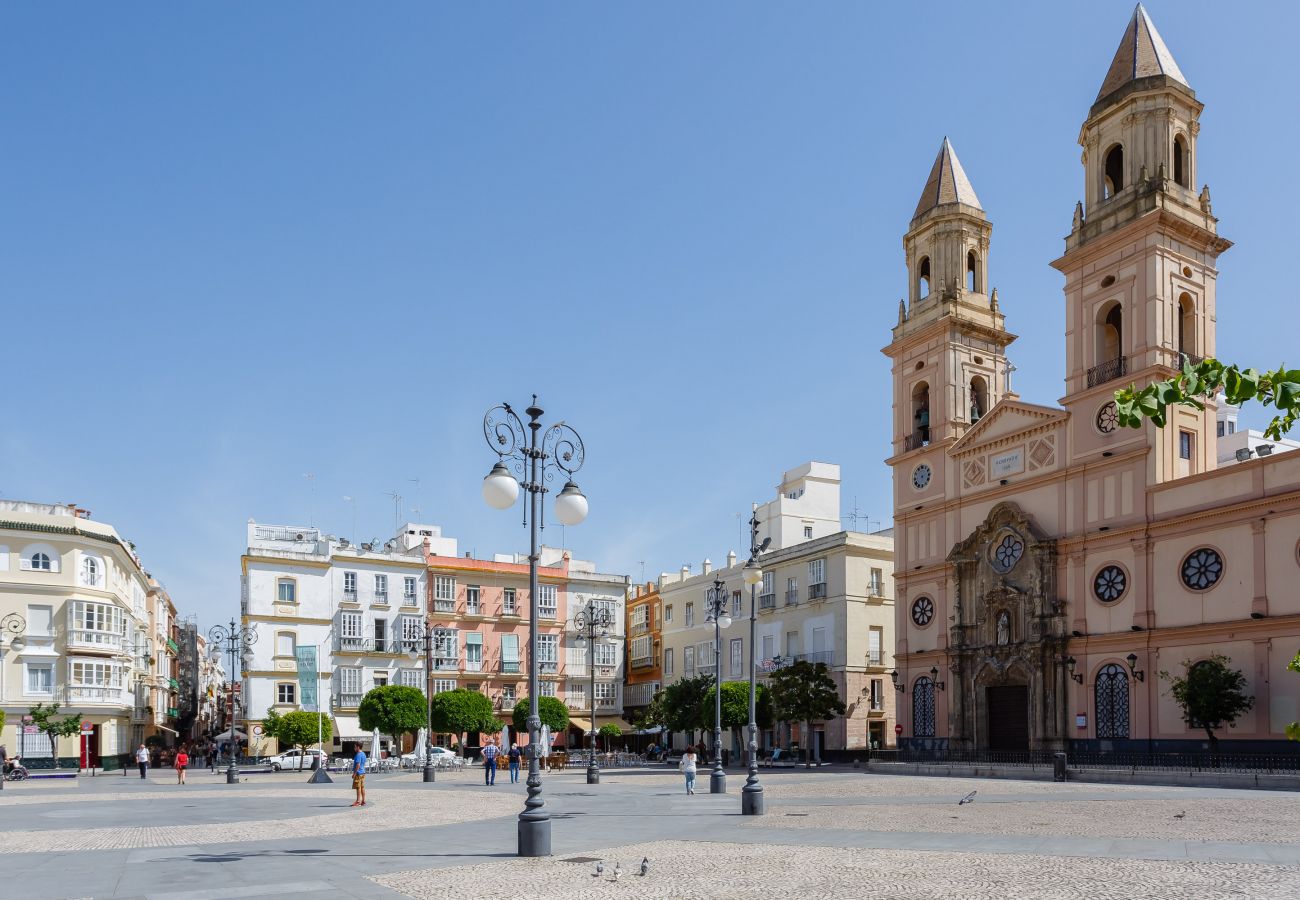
[1182, 175]
[923, 278]
[1113, 171]
[973, 272]
[1112, 702]
[1110, 333]
[1186, 325]
[979, 398]
[40, 562]
[921, 412]
[90, 572]
[923, 707]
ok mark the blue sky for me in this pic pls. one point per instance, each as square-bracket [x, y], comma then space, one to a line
[244, 242]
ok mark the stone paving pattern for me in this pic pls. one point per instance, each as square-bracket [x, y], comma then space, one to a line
[689, 870]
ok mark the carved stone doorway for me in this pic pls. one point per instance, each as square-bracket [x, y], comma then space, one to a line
[1008, 707]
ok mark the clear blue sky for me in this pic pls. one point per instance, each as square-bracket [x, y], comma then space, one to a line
[244, 242]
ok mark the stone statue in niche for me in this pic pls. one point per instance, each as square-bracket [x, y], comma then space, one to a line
[1004, 629]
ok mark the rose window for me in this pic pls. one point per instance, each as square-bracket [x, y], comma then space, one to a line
[1110, 584]
[1202, 569]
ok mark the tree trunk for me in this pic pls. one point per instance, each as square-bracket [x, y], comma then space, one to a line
[1214, 746]
[807, 744]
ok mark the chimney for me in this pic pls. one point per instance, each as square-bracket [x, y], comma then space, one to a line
[707, 567]
[686, 572]
[731, 558]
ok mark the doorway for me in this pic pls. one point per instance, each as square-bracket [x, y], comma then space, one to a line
[1008, 707]
[90, 748]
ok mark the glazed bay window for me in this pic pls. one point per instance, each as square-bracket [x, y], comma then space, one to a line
[350, 631]
[94, 681]
[349, 687]
[98, 625]
[444, 593]
[640, 619]
[411, 678]
[606, 653]
[548, 646]
[641, 648]
[286, 590]
[508, 602]
[408, 591]
[817, 579]
[546, 601]
[471, 600]
[547, 689]
[606, 694]
[412, 632]
[510, 654]
[443, 684]
[381, 589]
[446, 649]
[350, 587]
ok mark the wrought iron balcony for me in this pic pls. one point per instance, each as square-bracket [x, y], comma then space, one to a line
[917, 439]
[349, 700]
[792, 598]
[1108, 371]
[446, 664]
[875, 658]
[349, 596]
[767, 601]
[510, 668]
[381, 598]
[821, 656]
[353, 645]
[817, 591]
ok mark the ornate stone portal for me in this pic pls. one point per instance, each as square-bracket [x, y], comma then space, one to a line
[1007, 685]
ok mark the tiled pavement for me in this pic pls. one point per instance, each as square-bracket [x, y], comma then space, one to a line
[828, 833]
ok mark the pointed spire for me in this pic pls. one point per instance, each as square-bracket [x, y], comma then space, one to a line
[1142, 53]
[947, 183]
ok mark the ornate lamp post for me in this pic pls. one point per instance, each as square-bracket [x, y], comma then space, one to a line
[237, 640]
[592, 622]
[11, 625]
[534, 456]
[716, 612]
[751, 796]
[413, 649]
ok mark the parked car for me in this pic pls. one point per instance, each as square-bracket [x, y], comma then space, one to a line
[294, 758]
[439, 754]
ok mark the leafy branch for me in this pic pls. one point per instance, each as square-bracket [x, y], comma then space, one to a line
[1279, 389]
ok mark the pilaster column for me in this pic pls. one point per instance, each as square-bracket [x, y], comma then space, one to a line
[1259, 574]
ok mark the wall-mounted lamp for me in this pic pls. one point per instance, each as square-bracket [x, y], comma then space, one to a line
[1070, 664]
[1132, 663]
[1003, 481]
[1242, 454]
[934, 674]
[1264, 450]
[1135, 628]
[893, 676]
[1257, 615]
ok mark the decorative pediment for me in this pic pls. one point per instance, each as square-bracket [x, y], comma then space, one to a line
[1008, 421]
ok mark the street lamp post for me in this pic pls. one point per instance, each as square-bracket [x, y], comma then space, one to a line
[413, 648]
[12, 625]
[716, 604]
[592, 622]
[235, 640]
[751, 796]
[534, 456]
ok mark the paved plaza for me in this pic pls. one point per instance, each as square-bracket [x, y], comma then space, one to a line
[834, 832]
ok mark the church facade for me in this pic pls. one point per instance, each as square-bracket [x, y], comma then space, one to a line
[1049, 564]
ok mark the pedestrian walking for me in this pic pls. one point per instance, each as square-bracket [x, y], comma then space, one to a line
[210, 757]
[182, 761]
[490, 754]
[687, 768]
[359, 776]
[142, 760]
[513, 758]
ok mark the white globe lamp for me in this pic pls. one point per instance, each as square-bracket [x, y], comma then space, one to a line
[500, 489]
[570, 505]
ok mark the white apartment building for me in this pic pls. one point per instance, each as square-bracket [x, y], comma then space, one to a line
[1236, 445]
[74, 608]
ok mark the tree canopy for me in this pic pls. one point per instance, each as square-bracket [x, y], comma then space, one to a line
[735, 705]
[299, 728]
[682, 706]
[1292, 730]
[1210, 694]
[1279, 389]
[550, 710]
[805, 692]
[393, 709]
[46, 721]
[460, 711]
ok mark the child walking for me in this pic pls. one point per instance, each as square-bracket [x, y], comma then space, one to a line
[687, 768]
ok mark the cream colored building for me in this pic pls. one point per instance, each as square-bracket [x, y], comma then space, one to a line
[1052, 564]
[74, 603]
[825, 598]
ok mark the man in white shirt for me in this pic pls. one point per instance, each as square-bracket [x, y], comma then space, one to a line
[142, 758]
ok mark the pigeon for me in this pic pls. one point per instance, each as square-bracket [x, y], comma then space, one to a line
[600, 868]
[969, 798]
[618, 872]
[645, 865]
[1179, 815]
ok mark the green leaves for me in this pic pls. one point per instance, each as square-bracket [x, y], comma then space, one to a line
[1211, 694]
[550, 710]
[456, 712]
[1279, 389]
[392, 709]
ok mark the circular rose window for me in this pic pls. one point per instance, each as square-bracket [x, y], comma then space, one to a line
[1202, 569]
[922, 611]
[1007, 552]
[1110, 584]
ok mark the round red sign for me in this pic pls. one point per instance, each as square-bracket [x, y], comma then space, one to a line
[898, 729]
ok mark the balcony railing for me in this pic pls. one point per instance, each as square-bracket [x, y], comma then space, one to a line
[173, 647]
[575, 702]
[546, 612]
[349, 700]
[76, 693]
[817, 591]
[381, 598]
[408, 600]
[510, 668]
[1191, 358]
[548, 666]
[917, 439]
[473, 609]
[821, 656]
[875, 658]
[473, 665]
[94, 640]
[767, 601]
[641, 662]
[792, 598]
[446, 606]
[1108, 371]
[875, 589]
[349, 596]
[353, 645]
[446, 664]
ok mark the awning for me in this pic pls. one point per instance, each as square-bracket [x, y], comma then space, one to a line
[172, 730]
[225, 735]
[348, 728]
[583, 725]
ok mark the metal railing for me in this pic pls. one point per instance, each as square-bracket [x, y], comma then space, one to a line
[76, 693]
[349, 596]
[473, 665]
[381, 598]
[767, 601]
[1108, 371]
[917, 439]
[792, 598]
[817, 591]
[875, 658]
[1135, 761]
[352, 645]
[94, 640]
[510, 668]
[821, 656]
[445, 664]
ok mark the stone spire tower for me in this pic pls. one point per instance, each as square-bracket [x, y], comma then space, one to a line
[949, 345]
[1140, 258]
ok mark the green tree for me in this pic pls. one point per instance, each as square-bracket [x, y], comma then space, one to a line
[805, 692]
[46, 721]
[1279, 389]
[735, 707]
[550, 710]
[609, 731]
[683, 706]
[1292, 730]
[2, 720]
[456, 712]
[298, 729]
[394, 709]
[1210, 694]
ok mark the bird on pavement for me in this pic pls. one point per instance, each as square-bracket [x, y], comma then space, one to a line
[1179, 815]
[969, 798]
[618, 872]
[600, 868]
[645, 865]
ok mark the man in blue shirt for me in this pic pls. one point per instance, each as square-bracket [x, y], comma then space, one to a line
[490, 754]
[359, 776]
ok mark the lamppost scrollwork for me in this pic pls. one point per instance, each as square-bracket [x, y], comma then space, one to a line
[237, 641]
